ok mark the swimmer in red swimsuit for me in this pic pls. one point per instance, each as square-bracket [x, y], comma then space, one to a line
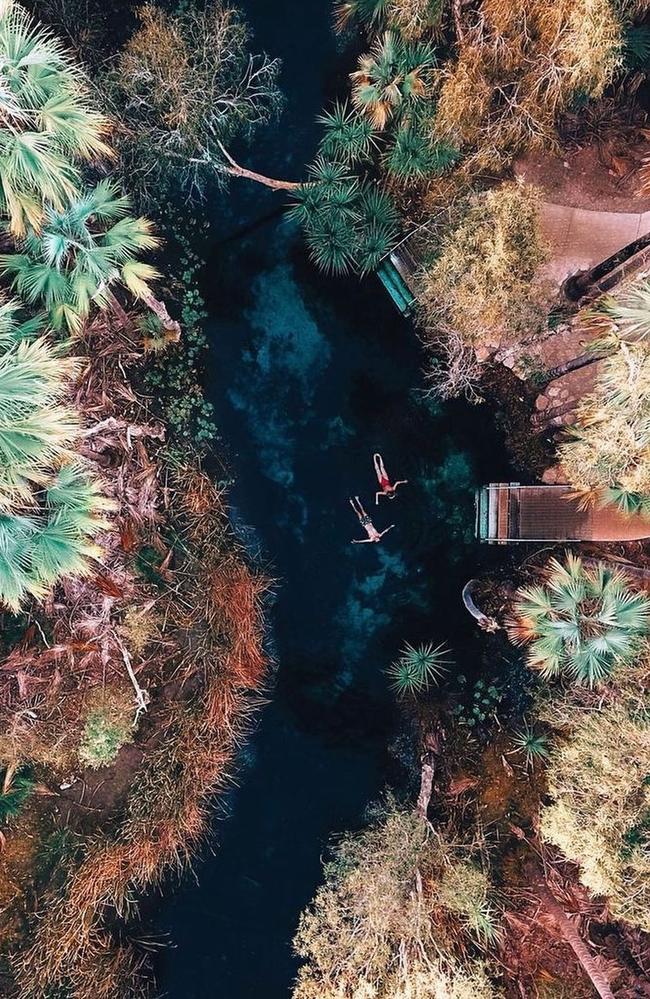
[373, 534]
[386, 487]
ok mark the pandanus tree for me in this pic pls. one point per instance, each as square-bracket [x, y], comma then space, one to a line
[79, 254]
[581, 622]
[48, 124]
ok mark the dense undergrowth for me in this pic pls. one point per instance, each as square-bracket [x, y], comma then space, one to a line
[132, 625]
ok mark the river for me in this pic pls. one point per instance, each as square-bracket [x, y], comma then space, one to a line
[309, 376]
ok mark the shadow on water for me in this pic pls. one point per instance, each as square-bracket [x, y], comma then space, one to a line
[309, 376]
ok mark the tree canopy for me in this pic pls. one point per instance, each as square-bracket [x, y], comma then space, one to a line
[185, 86]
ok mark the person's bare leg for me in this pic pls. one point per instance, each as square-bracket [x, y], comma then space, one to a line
[383, 474]
[377, 461]
[362, 511]
[358, 509]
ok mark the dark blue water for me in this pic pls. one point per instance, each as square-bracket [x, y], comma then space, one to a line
[309, 376]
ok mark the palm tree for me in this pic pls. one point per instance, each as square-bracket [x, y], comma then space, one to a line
[79, 253]
[15, 325]
[609, 445]
[48, 122]
[349, 137]
[534, 745]
[35, 429]
[54, 539]
[418, 667]
[414, 156]
[582, 622]
[370, 13]
[392, 77]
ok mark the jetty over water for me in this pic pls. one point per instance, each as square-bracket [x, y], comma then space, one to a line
[508, 512]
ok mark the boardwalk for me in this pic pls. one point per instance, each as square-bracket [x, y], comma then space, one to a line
[508, 512]
[579, 239]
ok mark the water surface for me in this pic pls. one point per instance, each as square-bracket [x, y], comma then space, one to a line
[309, 376]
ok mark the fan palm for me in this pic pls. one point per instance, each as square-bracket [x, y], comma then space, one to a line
[534, 745]
[47, 121]
[15, 325]
[79, 253]
[394, 75]
[370, 13]
[55, 540]
[628, 313]
[581, 623]
[35, 429]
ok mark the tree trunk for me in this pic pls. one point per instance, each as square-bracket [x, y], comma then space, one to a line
[426, 785]
[483, 621]
[159, 309]
[571, 936]
[235, 170]
[118, 308]
[581, 361]
[552, 417]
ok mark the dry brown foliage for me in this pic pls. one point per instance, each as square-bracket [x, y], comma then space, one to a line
[479, 286]
[518, 68]
[107, 632]
[214, 622]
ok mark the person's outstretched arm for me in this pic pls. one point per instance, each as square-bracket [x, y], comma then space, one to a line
[362, 541]
[381, 534]
[377, 495]
[401, 482]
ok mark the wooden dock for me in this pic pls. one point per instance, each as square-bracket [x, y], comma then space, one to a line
[508, 513]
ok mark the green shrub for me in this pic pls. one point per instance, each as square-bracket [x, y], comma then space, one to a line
[108, 727]
[19, 788]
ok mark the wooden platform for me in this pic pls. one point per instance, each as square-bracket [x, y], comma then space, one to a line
[508, 512]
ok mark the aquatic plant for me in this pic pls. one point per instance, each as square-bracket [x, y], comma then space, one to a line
[48, 122]
[17, 786]
[478, 709]
[534, 745]
[79, 253]
[581, 622]
[418, 667]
